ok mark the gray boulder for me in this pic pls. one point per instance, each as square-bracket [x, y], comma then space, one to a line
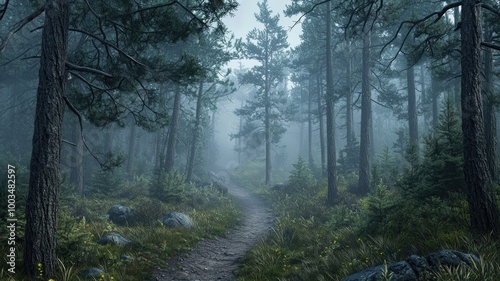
[114, 239]
[92, 273]
[419, 264]
[415, 266]
[175, 219]
[120, 215]
[451, 258]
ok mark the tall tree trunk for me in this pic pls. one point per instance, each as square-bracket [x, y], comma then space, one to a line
[131, 148]
[108, 140]
[424, 97]
[76, 160]
[349, 102]
[172, 132]
[267, 111]
[41, 205]
[412, 107]
[196, 131]
[268, 140]
[240, 142]
[330, 114]
[456, 82]
[321, 127]
[482, 202]
[490, 118]
[366, 116]
[309, 125]
[435, 100]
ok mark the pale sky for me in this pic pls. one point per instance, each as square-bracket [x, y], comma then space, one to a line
[244, 21]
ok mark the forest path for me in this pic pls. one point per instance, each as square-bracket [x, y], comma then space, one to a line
[217, 259]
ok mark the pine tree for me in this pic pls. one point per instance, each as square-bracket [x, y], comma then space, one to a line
[267, 47]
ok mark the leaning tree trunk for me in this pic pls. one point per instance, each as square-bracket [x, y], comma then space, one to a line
[172, 132]
[330, 115]
[41, 206]
[481, 198]
[196, 131]
[366, 116]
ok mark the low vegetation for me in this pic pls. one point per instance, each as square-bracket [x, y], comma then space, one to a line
[313, 241]
[83, 221]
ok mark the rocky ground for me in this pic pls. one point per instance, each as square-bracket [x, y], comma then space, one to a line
[217, 259]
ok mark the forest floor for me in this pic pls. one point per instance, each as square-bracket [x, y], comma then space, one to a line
[218, 259]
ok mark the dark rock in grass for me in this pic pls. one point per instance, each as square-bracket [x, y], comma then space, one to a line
[415, 266]
[450, 258]
[114, 239]
[120, 215]
[419, 264]
[402, 271]
[174, 219]
[92, 273]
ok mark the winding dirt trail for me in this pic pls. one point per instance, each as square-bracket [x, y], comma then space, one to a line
[217, 259]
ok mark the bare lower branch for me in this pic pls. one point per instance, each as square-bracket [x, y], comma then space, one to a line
[491, 46]
[75, 67]
[68, 142]
[80, 121]
[308, 12]
[3, 9]
[109, 45]
[412, 25]
[491, 9]
[20, 25]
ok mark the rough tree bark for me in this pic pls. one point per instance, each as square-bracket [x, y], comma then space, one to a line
[366, 116]
[172, 132]
[481, 198]
[490, 118]
[330, 115]
[41, 206]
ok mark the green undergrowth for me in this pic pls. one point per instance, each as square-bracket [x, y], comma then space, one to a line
[83, 221]
[313, 241]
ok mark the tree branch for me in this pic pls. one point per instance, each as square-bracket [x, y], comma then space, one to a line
[20, 25]
[308, 12]
[491, 46]
[80, 121]
[3, 9]
[109, 45]
[75, 67]
[415, 23]
[491, 9]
